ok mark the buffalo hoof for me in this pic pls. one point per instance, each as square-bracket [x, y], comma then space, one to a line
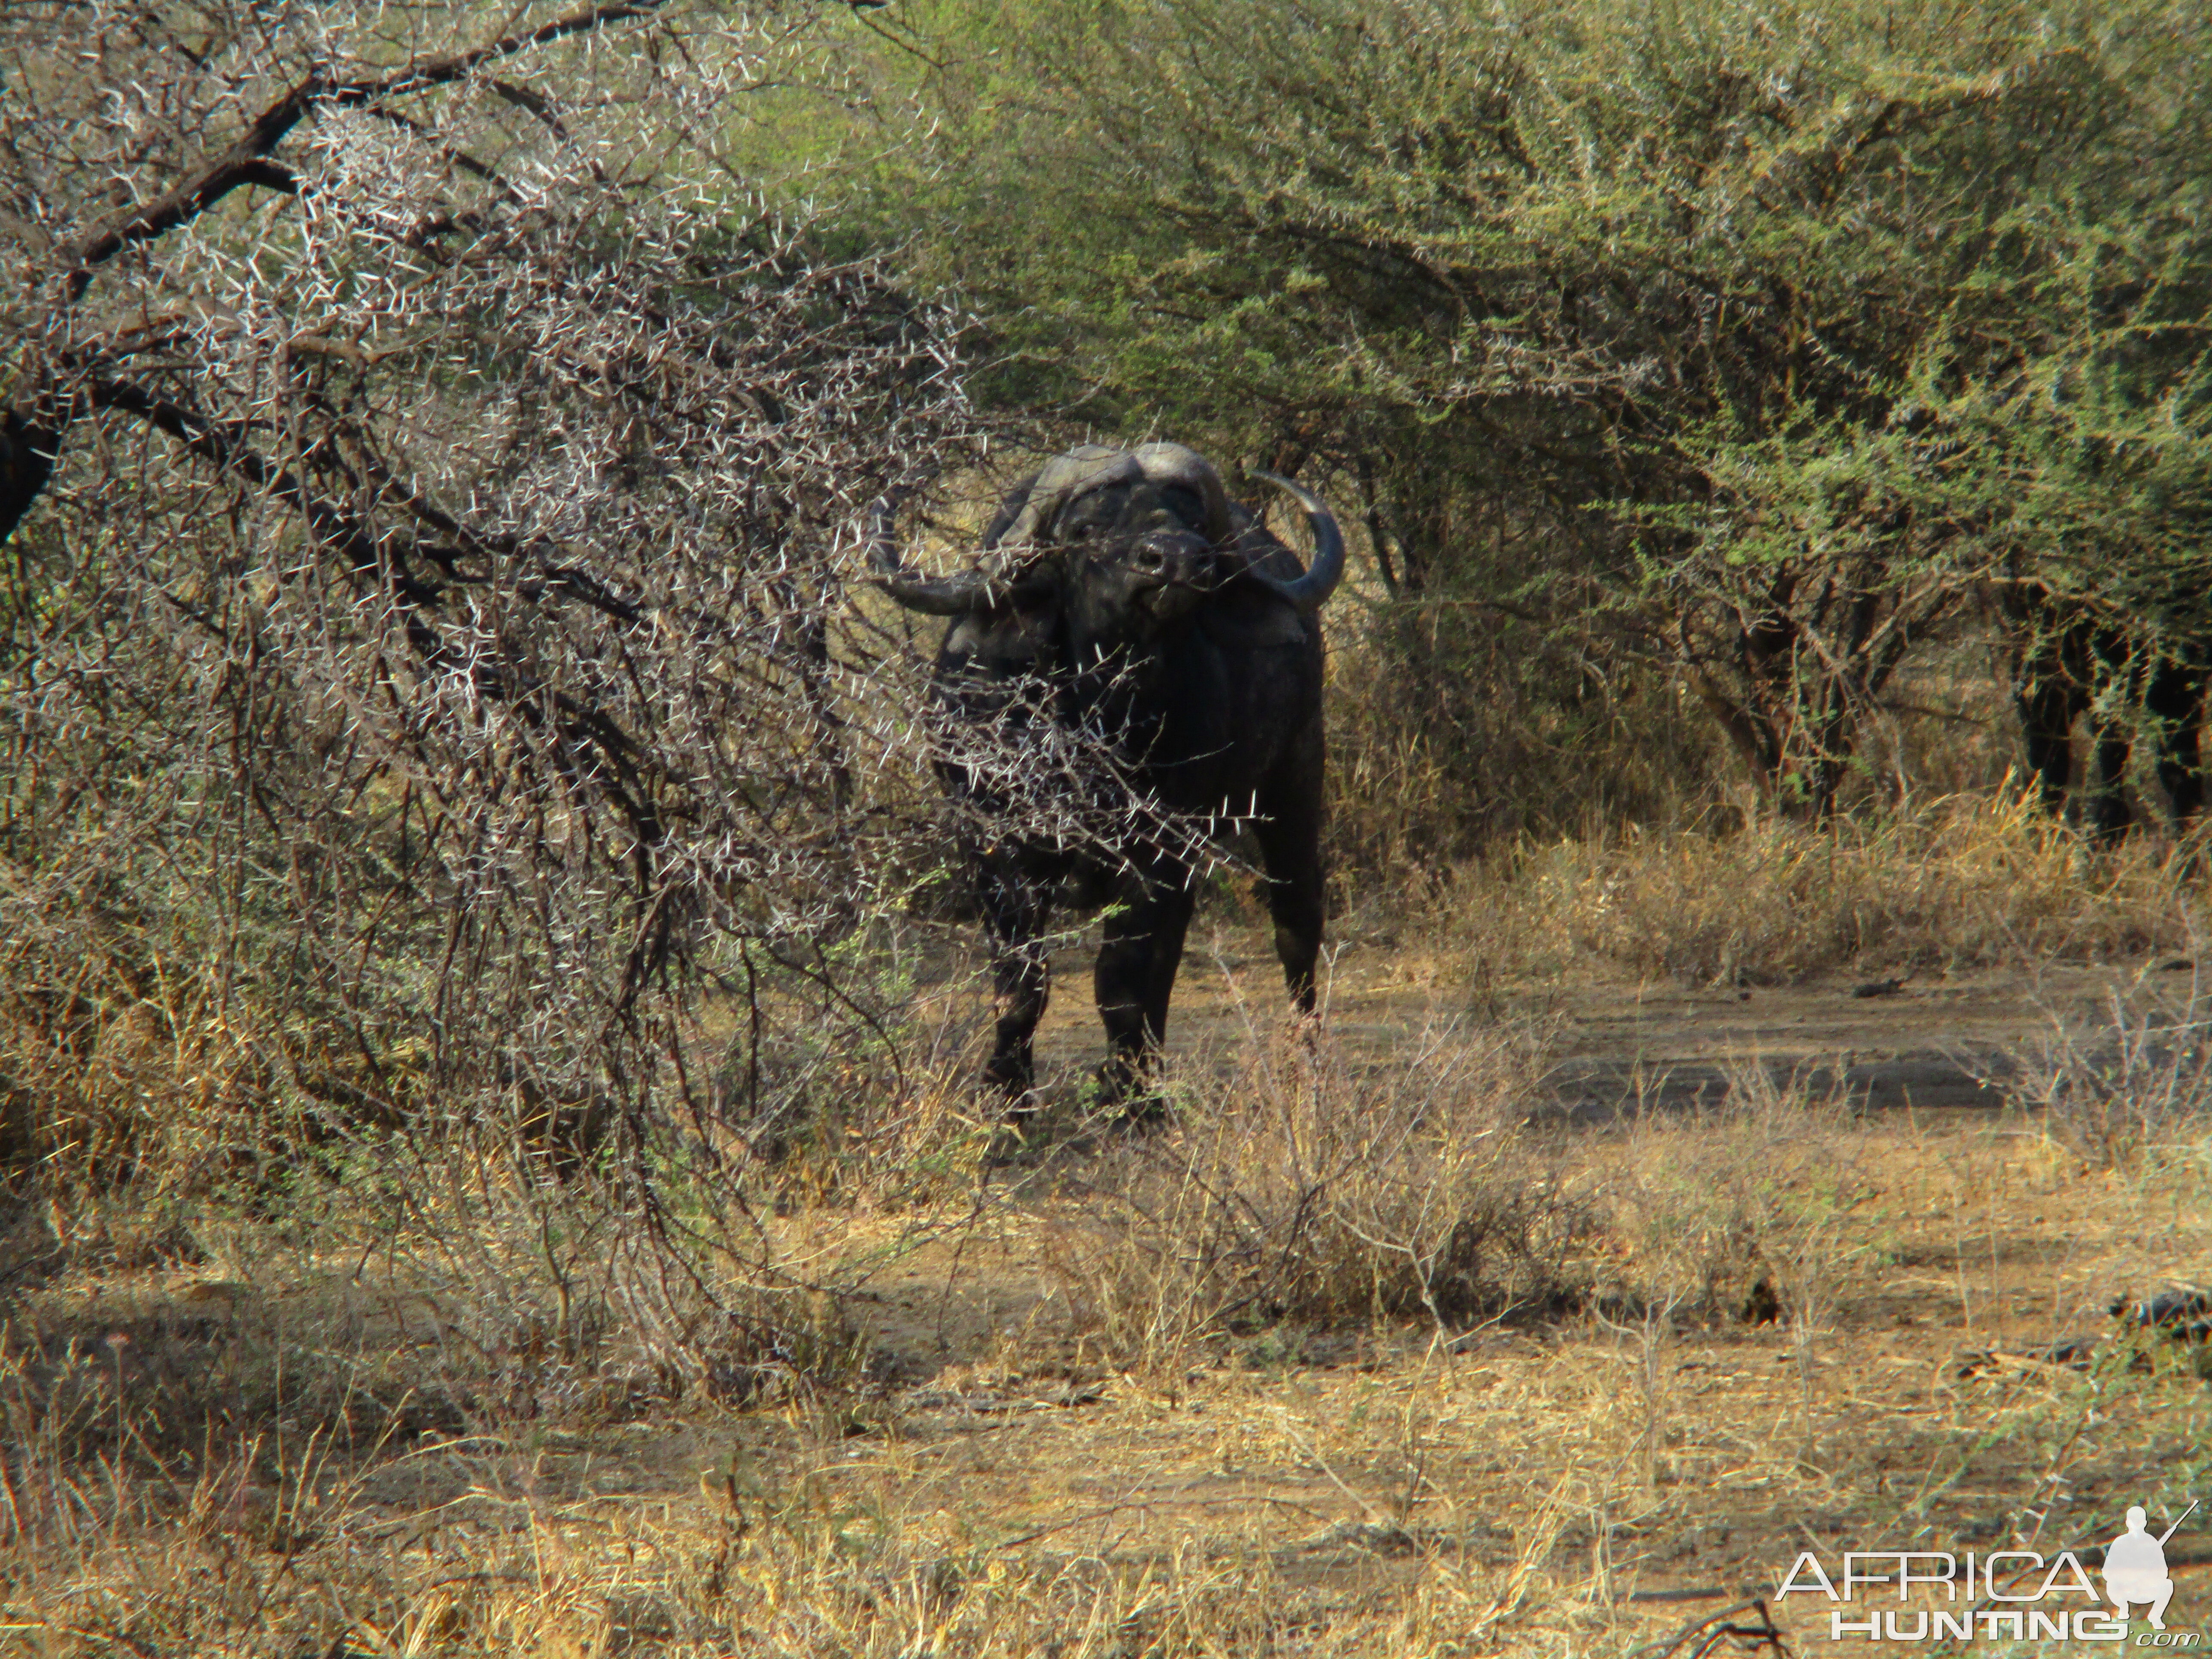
[1010, 1143]
[1013, 1084]
[1128, 1093]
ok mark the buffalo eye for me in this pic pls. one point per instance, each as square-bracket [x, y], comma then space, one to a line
[1183, 503]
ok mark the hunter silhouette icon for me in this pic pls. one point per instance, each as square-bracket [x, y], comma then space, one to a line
[2135, 1567]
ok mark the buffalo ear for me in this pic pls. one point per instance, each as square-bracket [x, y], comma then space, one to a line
[1011, 639]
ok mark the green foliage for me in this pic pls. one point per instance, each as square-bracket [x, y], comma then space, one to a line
[1757, 341]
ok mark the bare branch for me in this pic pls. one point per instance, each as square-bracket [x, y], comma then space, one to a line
[245, 161]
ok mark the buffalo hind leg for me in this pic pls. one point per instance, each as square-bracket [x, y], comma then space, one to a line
[1135, 977]
[2174, 698]
[1017, 905]
[1289, 835]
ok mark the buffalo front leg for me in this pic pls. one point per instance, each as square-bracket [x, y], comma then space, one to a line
[1135, 977]
[2048, 705]
[1017, 907]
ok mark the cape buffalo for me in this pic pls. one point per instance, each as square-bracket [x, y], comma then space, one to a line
[2134, 680]
[1163, 616]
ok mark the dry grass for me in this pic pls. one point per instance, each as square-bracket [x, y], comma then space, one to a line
[1970, 881]
[2130, 1089]
[1294, 1188]
[1454, 727]
[1351, 1358]
[1747, 1212]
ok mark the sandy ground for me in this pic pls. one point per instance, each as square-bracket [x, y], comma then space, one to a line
[1931, 1042]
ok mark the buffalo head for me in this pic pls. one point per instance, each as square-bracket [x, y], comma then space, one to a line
[1121, 543]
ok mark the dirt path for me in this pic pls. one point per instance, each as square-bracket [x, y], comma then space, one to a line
[1930, 1042]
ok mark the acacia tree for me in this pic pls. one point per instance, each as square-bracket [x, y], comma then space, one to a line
[1741, 342]
[434, 476]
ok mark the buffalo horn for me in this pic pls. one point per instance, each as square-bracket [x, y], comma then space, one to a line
[1321, 578]
[934, 596]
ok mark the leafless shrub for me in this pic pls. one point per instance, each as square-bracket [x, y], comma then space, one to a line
[1294, 1185]
[2125, 1088]
[453, 805]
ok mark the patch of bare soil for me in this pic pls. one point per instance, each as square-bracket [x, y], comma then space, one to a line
[1572, 1486]
[1965, 1380]
[1950, 1389]
[1957, 1387]
[1928, 1042]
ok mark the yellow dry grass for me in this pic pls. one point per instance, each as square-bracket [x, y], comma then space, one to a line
[1353, 1358]
[1025, 1474]
[1965, 881]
